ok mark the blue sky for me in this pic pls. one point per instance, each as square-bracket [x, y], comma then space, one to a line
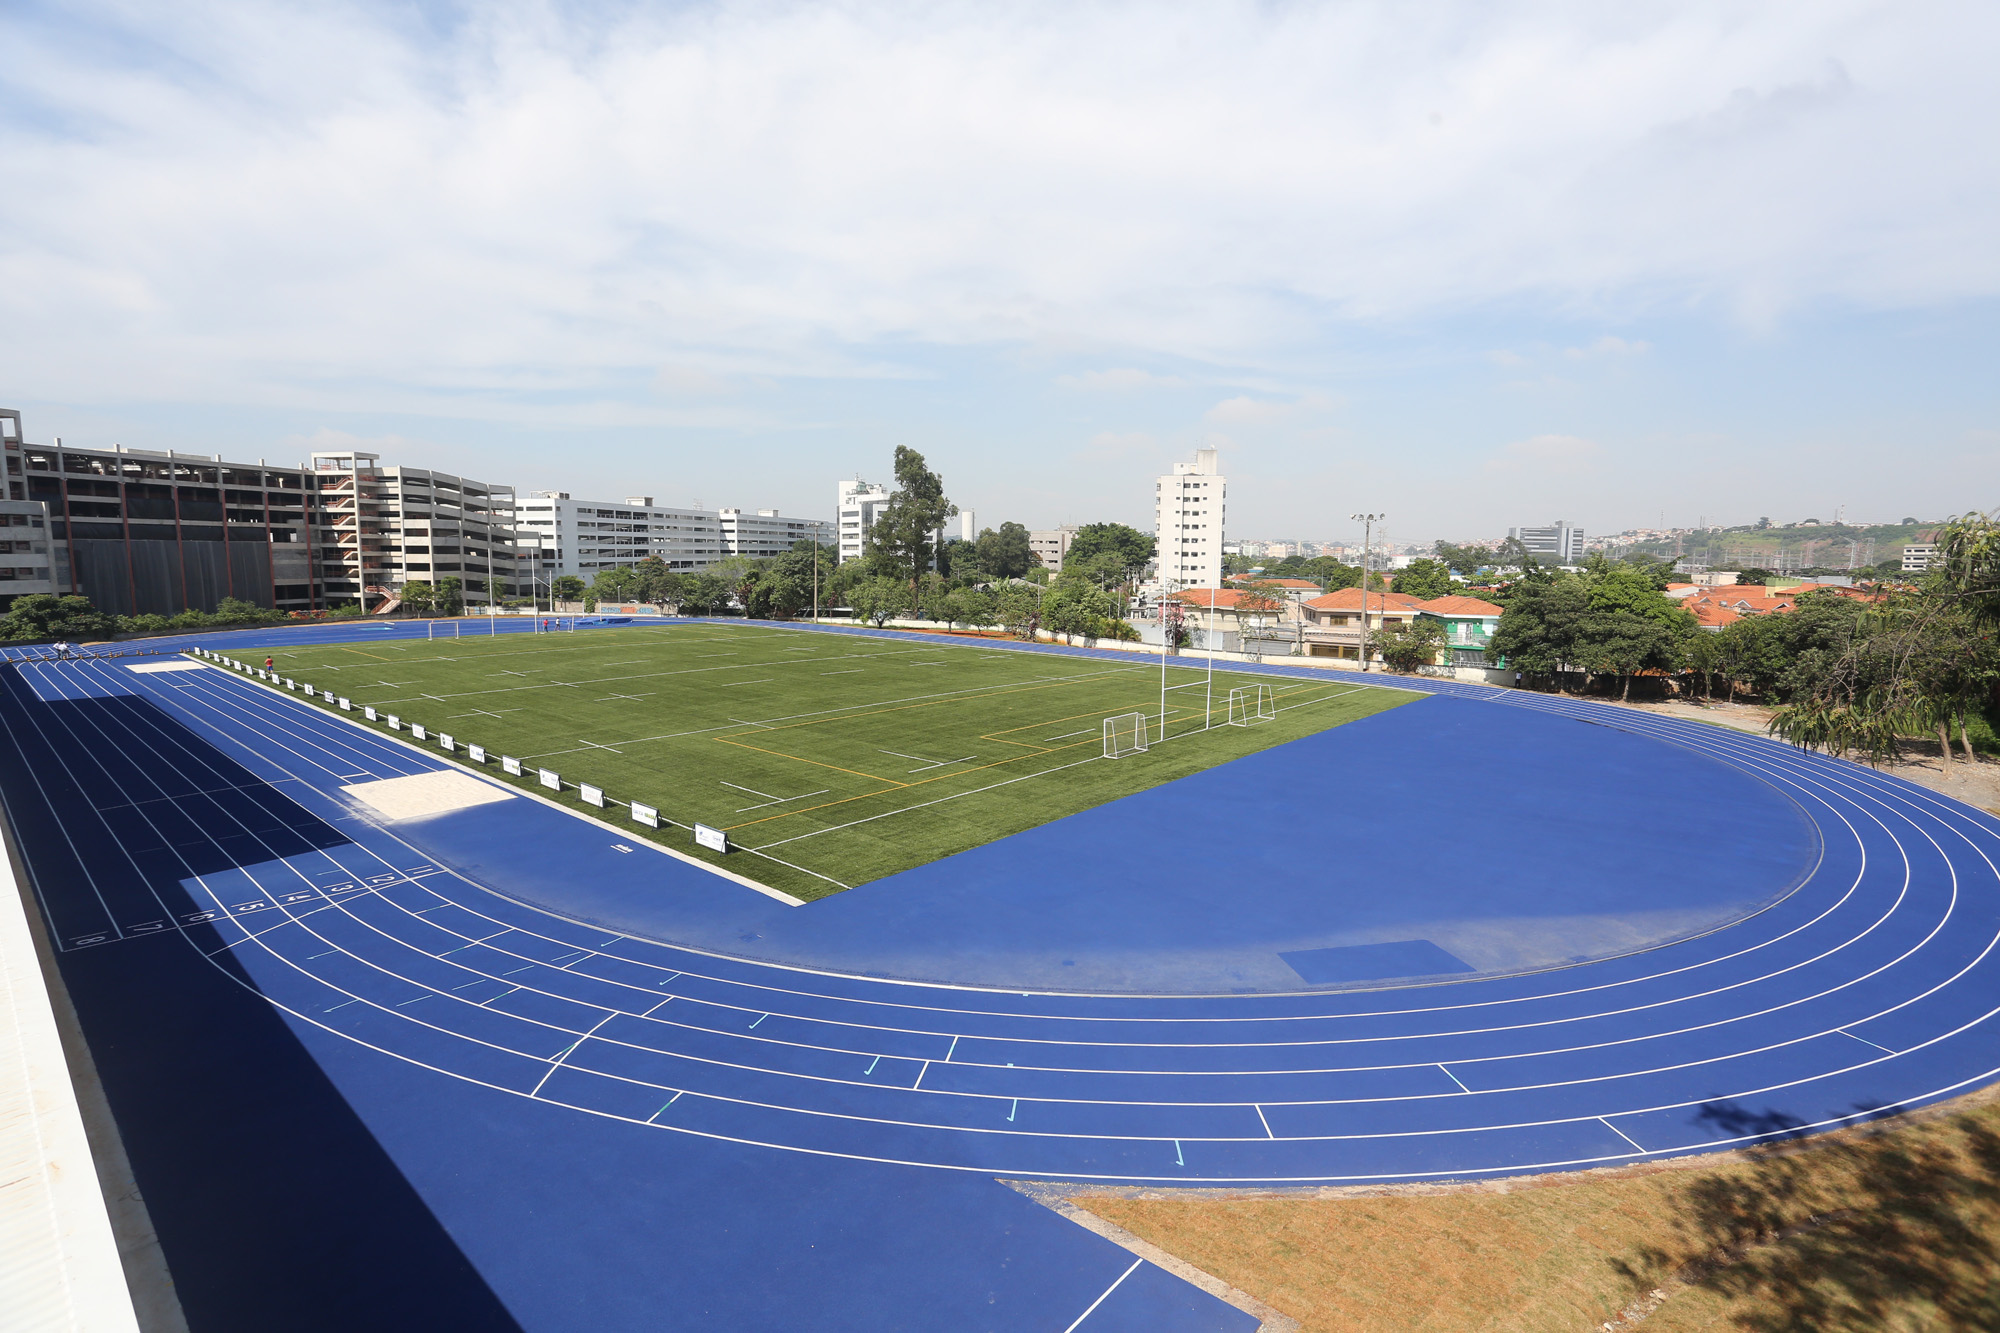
[1471, 265]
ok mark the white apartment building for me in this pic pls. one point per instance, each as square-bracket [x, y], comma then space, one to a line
[560, 535]
[766, 533]
[1189, 515]
[374, 528]
[861, 503]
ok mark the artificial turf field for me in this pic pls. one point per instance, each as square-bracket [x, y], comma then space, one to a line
[830, 759]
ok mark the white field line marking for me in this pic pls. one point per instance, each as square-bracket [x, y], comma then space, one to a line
[754, 792]
[785, 800]
[851, 671]
[835, 828]
[735, 683]
[944, 763]
[1266, 1123]
[1454, 1078]
[1107, 1293]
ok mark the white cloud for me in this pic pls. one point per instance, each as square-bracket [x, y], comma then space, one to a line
[279, 203]
[1547, 455]
[1609, 348]
[1119, 444]
[1121, 380]
[1244, 410]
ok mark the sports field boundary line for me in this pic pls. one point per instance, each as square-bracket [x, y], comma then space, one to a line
[512, 790]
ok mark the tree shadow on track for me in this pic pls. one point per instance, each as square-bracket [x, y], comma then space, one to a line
[1893, 1226]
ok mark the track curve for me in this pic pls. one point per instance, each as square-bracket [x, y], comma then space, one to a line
[1872, 988]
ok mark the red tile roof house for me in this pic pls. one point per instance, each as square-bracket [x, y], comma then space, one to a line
[1334, 623]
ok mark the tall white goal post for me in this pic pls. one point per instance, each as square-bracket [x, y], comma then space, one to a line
[1124, 734]
[1250, 704]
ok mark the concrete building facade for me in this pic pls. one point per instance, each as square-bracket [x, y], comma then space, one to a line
[1556, 544]
[27, 563]
[1051, 545]
[767, 533]
[861, 503]
[556, 534]
[141, 532]
[1190, 514]
[376, 528]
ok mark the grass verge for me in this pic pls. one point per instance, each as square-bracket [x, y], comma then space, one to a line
[1888, 1227]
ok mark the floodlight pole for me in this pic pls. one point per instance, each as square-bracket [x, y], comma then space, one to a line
[1367, 522]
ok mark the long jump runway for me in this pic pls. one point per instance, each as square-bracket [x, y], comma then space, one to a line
[351, 1073]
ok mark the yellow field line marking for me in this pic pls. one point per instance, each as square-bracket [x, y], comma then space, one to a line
[780, 754]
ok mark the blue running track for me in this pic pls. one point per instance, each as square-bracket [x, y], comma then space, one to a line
[408, 1074]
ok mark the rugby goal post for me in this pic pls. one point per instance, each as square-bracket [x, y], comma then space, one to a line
[1250, 704]
[1124, 734]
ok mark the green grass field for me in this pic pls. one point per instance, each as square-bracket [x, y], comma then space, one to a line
[830, 760]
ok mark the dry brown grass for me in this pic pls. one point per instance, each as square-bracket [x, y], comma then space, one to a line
[1875, 1229]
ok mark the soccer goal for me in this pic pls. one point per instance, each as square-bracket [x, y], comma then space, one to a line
[1124, 734]
[1249, 704]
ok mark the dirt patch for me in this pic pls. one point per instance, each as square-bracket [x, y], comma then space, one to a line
[1890, 1225]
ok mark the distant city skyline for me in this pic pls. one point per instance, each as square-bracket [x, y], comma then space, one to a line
[1472, 268]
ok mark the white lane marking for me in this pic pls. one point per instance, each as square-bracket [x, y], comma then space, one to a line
[1621, 1133]
[1101, 1299]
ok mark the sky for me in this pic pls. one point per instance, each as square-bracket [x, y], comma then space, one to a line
[1471, 265]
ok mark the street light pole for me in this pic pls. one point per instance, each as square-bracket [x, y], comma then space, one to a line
[1367, 522]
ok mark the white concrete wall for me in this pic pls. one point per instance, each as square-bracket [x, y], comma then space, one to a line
[59, 1265]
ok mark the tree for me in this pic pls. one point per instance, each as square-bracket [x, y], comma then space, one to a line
[1623, 643]
[1410, 647]
[1074, 606]
[616, 585]
[1425, 579]
[879, 600]
[977, 608]
[906, 530]
[1005, 553]
[1466, 560]
[1538, 629]
[236, 611]
[1331, 575]
[705, 593]
[41, 615]
[565, 588]
[1131, 548]
[420, 598]
[1019, 610]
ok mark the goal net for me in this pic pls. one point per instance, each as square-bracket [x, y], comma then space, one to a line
[1250, 704]
[1124, 734]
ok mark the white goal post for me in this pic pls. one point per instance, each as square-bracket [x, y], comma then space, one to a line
[1124, 734]
[1250, 704]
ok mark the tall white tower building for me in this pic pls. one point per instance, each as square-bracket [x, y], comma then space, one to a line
[860, 504]
[1189, 515]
